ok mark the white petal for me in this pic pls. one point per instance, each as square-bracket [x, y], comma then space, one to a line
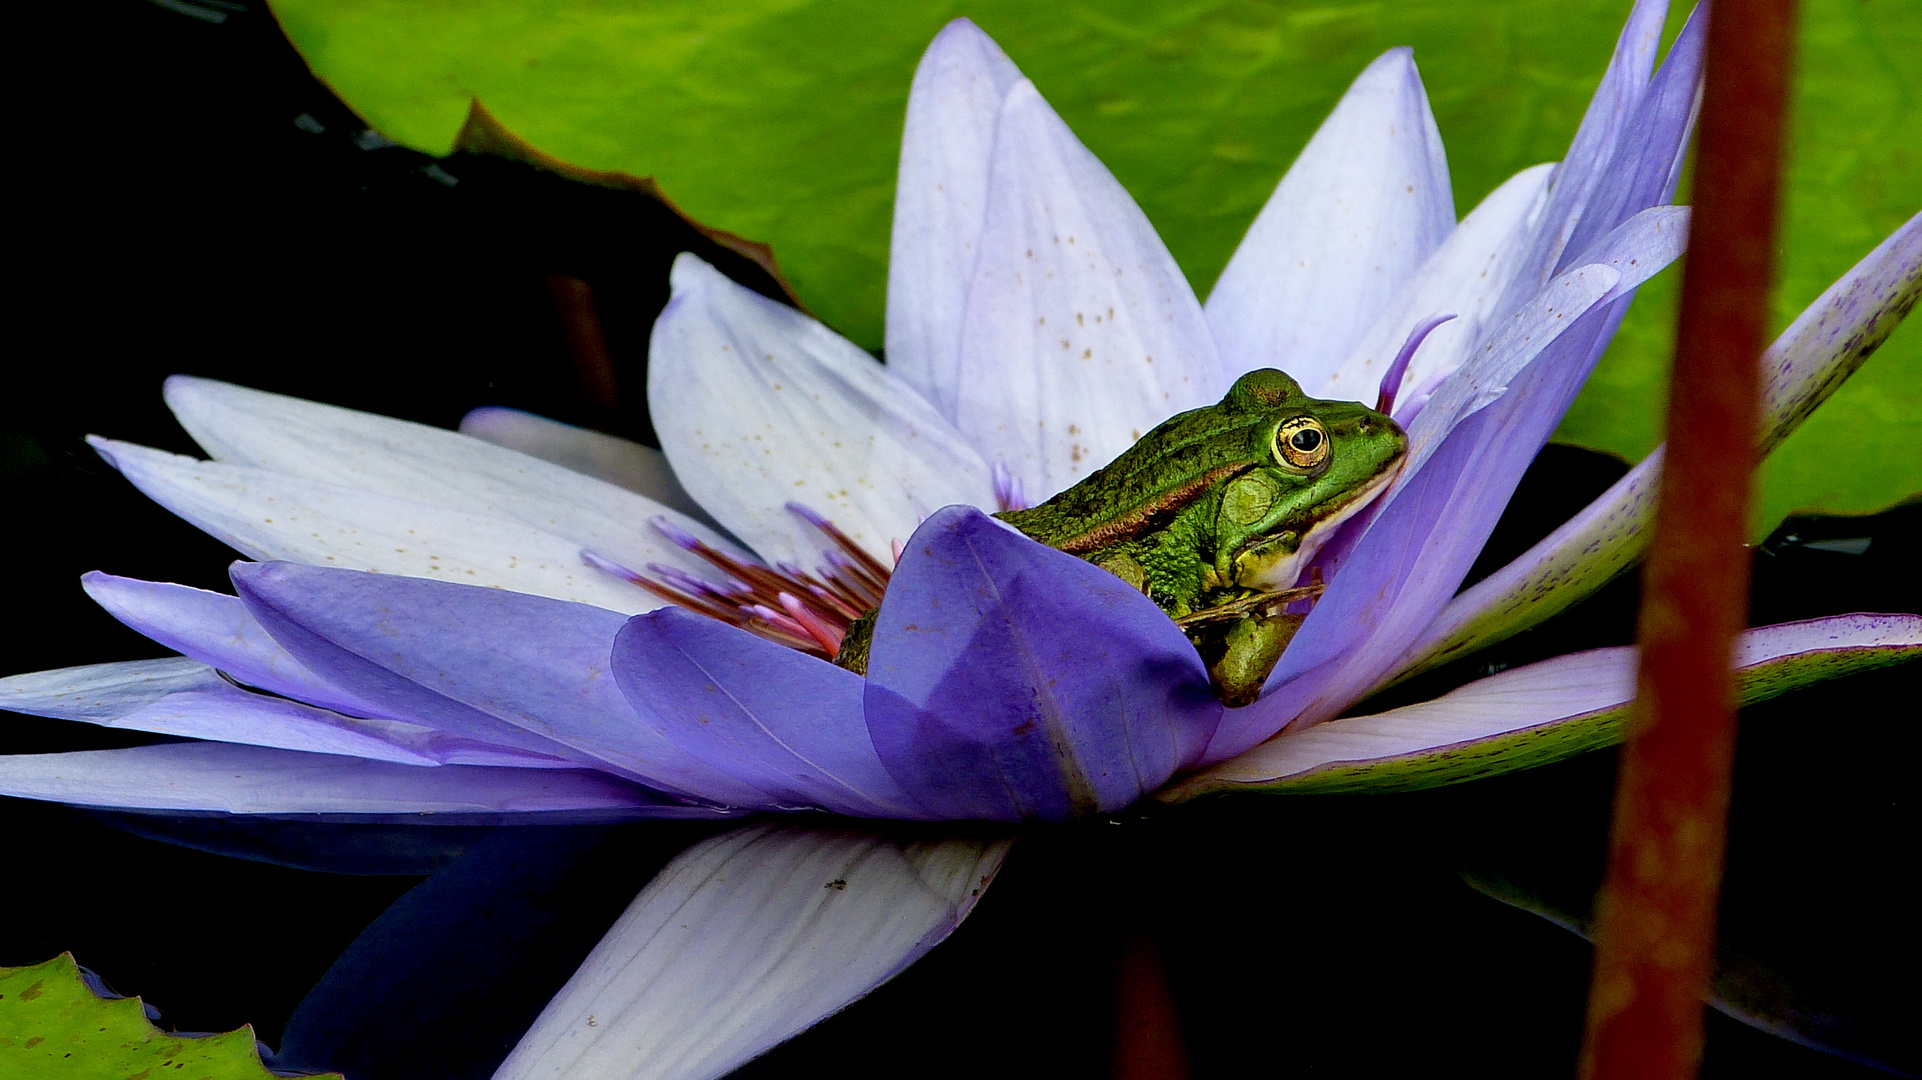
[758, 405]
[234, 779]
[422, 464]
[622, 462]
[267, 515]
[1081, 333]
[1362, 207]
[940, 201]
[102, 693]
[1465, 275]
[745, 940]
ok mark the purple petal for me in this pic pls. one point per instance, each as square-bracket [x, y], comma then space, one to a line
[745, 940]
[496, 666]
[1824, 345]
[940, 202]
[1362, 207]
[783, 721]
[217, 631]
[1081, 333]
[224, 778]
[1540, 713]
[1009, 681]
[1417, 550]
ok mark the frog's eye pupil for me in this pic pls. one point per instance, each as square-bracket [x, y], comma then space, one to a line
[1306, 440]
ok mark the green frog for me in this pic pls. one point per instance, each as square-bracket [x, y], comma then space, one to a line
[1215, 514]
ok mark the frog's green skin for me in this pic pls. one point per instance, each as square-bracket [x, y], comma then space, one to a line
[1209, 507]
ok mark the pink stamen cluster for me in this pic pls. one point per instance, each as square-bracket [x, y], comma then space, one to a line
[786, 604]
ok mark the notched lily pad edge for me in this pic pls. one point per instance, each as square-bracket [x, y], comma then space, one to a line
[1540, 744]
[230, 1055]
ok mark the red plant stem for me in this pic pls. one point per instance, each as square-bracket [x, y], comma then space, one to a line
[1656, 927]
[587, 345]
[1147, 1037]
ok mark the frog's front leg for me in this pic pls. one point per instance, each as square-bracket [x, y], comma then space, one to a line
[1241, 652]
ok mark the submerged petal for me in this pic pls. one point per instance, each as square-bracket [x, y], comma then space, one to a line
[1081, 332]
[1365, 204]
[1009, 681]
[781, 720]
[745, 940]
[212, 777]
[1540, 713]
[490, 664]
[940, 202]
[758, 405]
[420, 464]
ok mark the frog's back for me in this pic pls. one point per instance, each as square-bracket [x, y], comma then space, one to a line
[1164, 470]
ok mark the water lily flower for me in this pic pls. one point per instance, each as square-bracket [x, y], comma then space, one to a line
[476, 625]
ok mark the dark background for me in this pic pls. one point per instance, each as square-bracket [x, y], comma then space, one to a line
[194, 201]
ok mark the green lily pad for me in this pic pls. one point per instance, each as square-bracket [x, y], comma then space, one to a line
[53, 1025]
[781, 123]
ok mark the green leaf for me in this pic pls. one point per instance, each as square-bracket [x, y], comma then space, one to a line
[53, 1025]
[781, 123]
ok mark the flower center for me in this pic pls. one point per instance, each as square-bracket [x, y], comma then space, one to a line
[785, 604]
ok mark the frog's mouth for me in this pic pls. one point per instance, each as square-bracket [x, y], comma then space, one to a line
[1284, 568]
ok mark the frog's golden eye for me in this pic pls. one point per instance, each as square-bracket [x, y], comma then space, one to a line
[1301, 443]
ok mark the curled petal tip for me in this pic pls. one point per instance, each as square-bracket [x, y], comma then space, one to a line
[807, 514]
[675, 533]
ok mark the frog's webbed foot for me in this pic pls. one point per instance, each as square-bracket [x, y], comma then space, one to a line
[1240, 654]
[1253, 604]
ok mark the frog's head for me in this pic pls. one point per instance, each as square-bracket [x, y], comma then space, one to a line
[1317, 463]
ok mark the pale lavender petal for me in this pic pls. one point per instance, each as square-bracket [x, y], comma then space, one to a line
[217, 631]
[1612, 267]
[1486, 375]
[426, 465]
[271, 515]
[1603, 128]
[497, 666]
[622, 462]
[222, 778]
[1466, 275]
[1647, 161]
[1365, 204]
[783, 721]
[1080, 333]
[1009, 681]
[1540, 713]
[940, 202]
[758, 405]
[1824, 345]
[745, 940]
